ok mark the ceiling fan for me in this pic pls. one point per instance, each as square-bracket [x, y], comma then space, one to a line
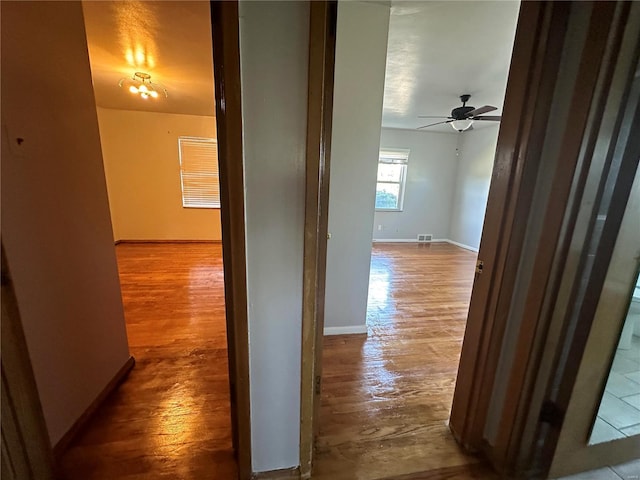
[462, 118]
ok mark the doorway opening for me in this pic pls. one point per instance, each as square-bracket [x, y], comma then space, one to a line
[153, 81]
[388, 384]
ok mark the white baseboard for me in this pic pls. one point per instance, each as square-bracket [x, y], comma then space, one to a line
[406, 240]
[462, 245]
[394, 240]
[348, 330]
[435, 240]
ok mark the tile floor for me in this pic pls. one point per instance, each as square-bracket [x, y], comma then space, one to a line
[619, 412]
[625, 471]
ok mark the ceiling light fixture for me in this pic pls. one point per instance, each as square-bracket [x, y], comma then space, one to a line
[461, 125]
[141, 84]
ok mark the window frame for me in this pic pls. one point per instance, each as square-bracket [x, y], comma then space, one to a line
[206, 140]
[395, 156]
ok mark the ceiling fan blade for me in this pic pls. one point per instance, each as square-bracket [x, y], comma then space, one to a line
[432, 124]
[431, 116]
[481, 110]
[491, 118]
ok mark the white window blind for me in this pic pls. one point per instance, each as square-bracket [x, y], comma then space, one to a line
[396, 156]
[199, 172]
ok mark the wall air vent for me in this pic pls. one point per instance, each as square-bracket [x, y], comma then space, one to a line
[424, 237]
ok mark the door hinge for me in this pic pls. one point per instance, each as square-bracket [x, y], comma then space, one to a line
[479, 266]
[552, 414]
[318, 384]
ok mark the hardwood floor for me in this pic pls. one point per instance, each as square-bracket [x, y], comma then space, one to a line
[170, 419]
[386, 397]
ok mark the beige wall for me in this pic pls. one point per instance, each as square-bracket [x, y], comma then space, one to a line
[55, 214]
[141, 162]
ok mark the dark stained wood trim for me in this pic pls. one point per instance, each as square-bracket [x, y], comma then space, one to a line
[527, 105]
[284, 474]
[226, 64]
[63, 444]
[119, 242]
[534, 319]
[30, 439]
[613, 24]
[322, 42]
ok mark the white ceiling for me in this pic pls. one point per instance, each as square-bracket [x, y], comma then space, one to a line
[439, 50]
[170, 40]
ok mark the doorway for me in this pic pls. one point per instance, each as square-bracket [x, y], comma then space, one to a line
[54, 22]
[388, 387]
[159, 148]
[518, 182]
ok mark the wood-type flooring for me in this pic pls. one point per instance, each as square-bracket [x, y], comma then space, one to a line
[386, 396]
[170, 418]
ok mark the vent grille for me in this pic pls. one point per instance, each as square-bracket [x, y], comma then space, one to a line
[424, 237]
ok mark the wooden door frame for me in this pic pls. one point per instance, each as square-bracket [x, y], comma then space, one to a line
[527, 107]
[524, 121]
[322, 43]
[558, 380]
[15, 358]
[526, 112]
[525, 408]
[490, 309]
[227, 81]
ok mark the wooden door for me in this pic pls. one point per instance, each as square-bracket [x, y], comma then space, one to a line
[511, 344]
[576, 451]
[226, 64]
[322, 44]
[540, 35]
[603, 284]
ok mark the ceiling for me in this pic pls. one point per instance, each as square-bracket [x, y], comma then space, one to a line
[170, 40]
[439, 50]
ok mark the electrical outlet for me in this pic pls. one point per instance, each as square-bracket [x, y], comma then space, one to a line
[379, 228]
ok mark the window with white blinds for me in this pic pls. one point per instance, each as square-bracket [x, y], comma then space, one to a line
[392, 176]
[199, 172]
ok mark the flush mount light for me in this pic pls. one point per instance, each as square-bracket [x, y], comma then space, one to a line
[141, 84]
[461, 125]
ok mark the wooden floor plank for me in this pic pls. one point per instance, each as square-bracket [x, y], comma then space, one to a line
[387, 396]
[170, 419]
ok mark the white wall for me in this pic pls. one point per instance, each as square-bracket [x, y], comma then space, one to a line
[475, 164]
[274, 61]
[431, 175]
[361, 50]
[55, 215]
[141, 162]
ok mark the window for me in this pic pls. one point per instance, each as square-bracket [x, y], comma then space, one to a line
[392, 173]
[199, 172]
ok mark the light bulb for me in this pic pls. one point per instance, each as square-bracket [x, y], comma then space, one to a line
[133, 89]
[143, 88]
[461, 125]
[144, 95]
[154, 94]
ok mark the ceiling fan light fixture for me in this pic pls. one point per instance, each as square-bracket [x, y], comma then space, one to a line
[141, 84]
[461, 125]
